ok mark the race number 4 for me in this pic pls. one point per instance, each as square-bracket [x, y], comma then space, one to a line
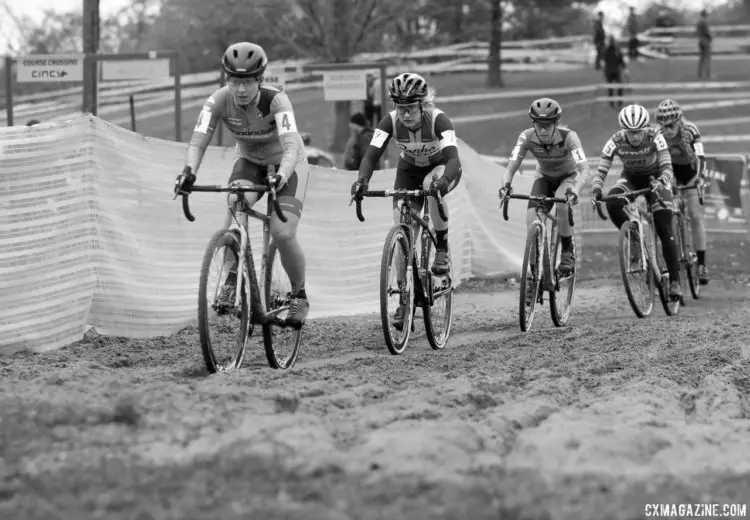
[285, 122]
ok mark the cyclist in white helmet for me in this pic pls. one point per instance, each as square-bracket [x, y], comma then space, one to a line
[428, 159]
[261, 120]
[561, 168]
[689, 163]
[644, 153]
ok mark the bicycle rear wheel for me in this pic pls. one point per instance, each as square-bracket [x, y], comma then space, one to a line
[690, 258]
[396, 290]
[635, 271]
[561, 298]
[438, 317]
[530, 277]
[223, 326]
[281, 343]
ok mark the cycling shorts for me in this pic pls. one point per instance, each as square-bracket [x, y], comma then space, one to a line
[291, 195]
[550, 187]
[411, 177]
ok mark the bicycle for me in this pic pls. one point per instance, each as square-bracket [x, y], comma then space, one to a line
[684, 236]
[417, 286]
[560, 286]
[639, 231]
[266, 304]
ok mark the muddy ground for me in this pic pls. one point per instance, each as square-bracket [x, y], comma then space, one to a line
[592, 421]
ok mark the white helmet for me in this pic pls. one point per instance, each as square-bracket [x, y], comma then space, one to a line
[633, 117]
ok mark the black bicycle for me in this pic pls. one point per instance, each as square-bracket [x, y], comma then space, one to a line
[406, 278]
[266, 304]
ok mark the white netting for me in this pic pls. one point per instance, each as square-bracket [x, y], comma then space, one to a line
[90, 235]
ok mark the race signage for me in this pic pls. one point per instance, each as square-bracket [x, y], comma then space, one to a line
[44, 68]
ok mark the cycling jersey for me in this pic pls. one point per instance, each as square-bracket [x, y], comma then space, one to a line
[257, 128]
[432, 144]
[562, 157]
[651, 157]
[685, 147]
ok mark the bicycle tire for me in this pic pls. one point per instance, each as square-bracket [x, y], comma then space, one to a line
[671, 307]
[691, 259]
[533, 239]
[561, 305]
[397, 242]
[628, 232]
[437, 341]
[220, 239]
[276, 300]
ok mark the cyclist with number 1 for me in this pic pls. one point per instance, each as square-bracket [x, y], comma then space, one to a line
[261, 119]
[562, 168]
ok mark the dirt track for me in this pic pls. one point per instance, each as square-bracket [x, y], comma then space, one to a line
[592, 421]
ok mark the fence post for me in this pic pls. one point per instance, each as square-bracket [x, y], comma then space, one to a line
[9, 90]
[132, 112]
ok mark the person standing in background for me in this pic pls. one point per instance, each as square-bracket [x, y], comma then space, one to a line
[359, 140]
[704, 46]
[599, 39]
[369, 105]
[377, 101]
[632, 35]
[614, 70]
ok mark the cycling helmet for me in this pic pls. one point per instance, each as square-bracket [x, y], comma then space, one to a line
[668, 111]
[545, 110]
[407, 88]
[633, 117]
[244, 60]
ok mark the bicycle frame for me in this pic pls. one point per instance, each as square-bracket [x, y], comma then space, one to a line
[408, 216]
[243, 208]
[548, 281]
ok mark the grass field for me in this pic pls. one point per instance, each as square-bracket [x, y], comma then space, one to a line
[593, 123]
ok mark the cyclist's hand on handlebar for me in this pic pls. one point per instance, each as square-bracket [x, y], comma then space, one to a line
[505, 191]
[441, 185]
[359, 187]
[596, 194]
[660, 184]
[571, 196]
[184, 181]
[276, 180]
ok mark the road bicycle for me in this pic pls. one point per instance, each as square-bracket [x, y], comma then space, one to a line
[266, 304]
[406, 277]
[641, 266]
[540, 271]
[684, 235]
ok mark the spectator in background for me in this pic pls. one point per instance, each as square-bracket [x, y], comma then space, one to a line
[369, 106]
[599, 39]
[704, 46]
[632, 35]
[359, 140]
[614, 70]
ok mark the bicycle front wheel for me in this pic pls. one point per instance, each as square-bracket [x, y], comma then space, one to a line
[396, 291]
[635, 271]
[438, 316]
[281, 343]
[530, 277]
[561, 297]
[224, 321]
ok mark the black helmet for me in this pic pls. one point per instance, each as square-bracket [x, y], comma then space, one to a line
[244, 60]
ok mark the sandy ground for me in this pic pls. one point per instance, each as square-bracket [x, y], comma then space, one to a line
[592, 421]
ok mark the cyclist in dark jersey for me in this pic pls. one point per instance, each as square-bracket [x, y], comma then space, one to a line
[261, 120]
[689, 164]
[428, 159]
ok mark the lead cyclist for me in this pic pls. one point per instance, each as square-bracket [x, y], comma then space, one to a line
[689, 165]
[562, 168]
[261, 120]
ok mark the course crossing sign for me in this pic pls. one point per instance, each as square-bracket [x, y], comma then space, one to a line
[44, 68]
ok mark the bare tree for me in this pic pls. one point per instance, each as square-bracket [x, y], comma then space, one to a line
[494, 70]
